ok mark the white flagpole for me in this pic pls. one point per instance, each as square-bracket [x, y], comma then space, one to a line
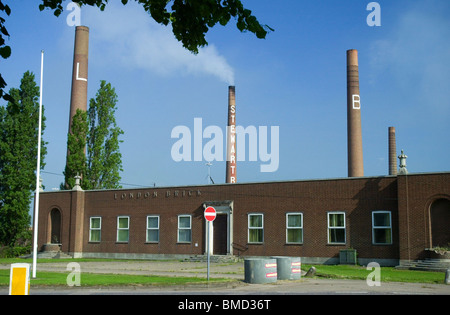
[38, 172]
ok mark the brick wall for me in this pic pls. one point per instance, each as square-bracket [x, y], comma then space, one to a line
[416, 194]
[356, 197]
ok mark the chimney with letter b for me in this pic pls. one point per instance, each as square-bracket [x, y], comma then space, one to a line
[354, 135]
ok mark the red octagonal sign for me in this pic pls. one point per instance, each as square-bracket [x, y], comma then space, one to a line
[210, 214]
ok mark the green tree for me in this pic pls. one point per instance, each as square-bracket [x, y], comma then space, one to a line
[18, 158]
[104, 160]
[76, 150]
[93, 145]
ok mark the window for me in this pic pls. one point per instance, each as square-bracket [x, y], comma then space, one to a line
[153, 229]
[294, 228]
[123, 229]
[95, 227]
[381, 227]
[184, 229]
[255, 228]
[336, 228]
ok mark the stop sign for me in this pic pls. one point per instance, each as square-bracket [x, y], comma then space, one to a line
[210, 214]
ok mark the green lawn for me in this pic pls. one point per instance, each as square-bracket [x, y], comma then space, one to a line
[388, 274]
[87, 279]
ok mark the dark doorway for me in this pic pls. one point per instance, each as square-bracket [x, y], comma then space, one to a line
[440, 223]
[220, 234]
[55, 217]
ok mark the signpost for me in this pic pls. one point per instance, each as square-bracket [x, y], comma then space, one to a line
[210, 216]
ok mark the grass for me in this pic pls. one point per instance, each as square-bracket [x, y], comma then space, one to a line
[44, 278]
[388, 274]
[88, 279]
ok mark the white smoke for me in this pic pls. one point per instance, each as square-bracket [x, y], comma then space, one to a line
[129, 35]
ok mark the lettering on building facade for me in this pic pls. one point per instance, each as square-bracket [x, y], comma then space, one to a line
[156, 194]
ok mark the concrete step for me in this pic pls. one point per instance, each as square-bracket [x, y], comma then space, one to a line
[438, 265]
[49, 255]
[213, 258]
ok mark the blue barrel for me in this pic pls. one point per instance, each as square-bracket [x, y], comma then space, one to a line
[288, 268]
[260, 270]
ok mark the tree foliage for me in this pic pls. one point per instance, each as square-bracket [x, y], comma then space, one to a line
[93, 144]
[190, 20]
[18, 158]
[104, 160]
[76, 150]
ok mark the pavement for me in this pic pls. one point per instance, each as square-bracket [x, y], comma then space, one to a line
[233, 271]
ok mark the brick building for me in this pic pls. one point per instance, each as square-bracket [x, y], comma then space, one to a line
[388, 219]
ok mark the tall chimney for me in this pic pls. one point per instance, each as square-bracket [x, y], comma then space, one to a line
[78, 98]
[231, 137]
[354, 135]
[392, 152]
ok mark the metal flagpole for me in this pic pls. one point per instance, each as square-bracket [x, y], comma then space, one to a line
[38, 171]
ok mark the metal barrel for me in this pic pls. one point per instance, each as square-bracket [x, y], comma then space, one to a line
[260, 270]
[288, 268]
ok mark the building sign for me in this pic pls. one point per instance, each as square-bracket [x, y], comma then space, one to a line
[156, 194]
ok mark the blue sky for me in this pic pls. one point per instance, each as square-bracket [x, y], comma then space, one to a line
[294, 79]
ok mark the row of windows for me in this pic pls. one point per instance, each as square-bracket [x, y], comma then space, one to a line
[123, 229]
[336, 228]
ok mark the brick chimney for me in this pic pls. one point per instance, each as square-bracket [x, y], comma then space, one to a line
[354, 135]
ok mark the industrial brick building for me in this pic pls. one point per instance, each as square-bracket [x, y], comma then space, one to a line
[388, 219]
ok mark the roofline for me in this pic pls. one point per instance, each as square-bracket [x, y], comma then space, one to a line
[257, 183]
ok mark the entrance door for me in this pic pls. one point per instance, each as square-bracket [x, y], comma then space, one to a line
[220, 234]
[440, 222]
[55, 217]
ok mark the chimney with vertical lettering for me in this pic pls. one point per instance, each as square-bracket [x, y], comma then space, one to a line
[231, 137]
[354, 134]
